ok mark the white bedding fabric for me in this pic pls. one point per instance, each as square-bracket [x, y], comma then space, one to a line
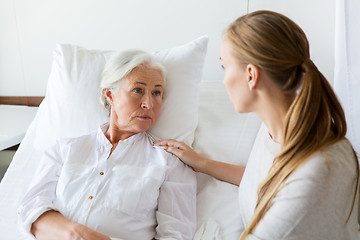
[222, 134]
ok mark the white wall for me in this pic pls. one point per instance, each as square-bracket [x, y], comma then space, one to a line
[30, 29]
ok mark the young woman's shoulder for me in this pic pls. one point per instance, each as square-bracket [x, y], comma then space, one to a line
[341, 155]
[334, 158]
[335, 164]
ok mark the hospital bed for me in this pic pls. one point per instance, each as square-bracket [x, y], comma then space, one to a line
[194, 111]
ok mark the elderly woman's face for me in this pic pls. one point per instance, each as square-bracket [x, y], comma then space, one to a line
[136, 104]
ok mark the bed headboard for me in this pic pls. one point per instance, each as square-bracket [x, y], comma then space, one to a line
[29, 101]
[21, 100]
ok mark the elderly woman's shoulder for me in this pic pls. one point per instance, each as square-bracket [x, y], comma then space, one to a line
[171, 158]
[87, 139]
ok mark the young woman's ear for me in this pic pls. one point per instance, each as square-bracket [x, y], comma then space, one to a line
[252, 76]
[108, 95]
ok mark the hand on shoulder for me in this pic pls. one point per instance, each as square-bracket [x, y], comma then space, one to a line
[184, 152]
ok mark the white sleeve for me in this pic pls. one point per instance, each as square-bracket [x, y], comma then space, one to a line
[303, 190]
[176, 214]
[41, 193]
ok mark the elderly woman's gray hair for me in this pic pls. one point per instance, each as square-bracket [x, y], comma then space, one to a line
[120, 66]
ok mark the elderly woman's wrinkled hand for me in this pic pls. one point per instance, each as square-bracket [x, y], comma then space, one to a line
[81, 232]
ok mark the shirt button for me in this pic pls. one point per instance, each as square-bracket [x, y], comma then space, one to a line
[101, 173]
[91, 197]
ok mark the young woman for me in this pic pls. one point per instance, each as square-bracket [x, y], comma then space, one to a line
[301, 180]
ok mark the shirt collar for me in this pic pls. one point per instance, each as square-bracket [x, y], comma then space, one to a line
[273, 147]
[103, 141]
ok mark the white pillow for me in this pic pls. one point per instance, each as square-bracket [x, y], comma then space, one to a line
[71, 107]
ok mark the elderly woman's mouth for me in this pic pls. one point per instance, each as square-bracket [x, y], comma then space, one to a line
[144, 117]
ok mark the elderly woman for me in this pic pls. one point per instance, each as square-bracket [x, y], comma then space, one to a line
[113, 183]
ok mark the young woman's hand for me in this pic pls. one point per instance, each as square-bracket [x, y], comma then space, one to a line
[185, 153]
[223, 171]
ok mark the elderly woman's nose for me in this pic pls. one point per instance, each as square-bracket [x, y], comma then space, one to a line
[146, 102]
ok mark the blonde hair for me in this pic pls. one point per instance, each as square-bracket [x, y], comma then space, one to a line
[315, 119]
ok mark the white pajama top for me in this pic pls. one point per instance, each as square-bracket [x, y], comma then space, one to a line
[139, 192]
[313, 203]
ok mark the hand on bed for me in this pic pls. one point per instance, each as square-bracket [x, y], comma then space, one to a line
[185, 153]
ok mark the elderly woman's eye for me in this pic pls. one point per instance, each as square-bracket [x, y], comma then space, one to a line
[157, 93]
[137, 90]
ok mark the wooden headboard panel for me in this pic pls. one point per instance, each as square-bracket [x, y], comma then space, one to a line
[25, 101]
